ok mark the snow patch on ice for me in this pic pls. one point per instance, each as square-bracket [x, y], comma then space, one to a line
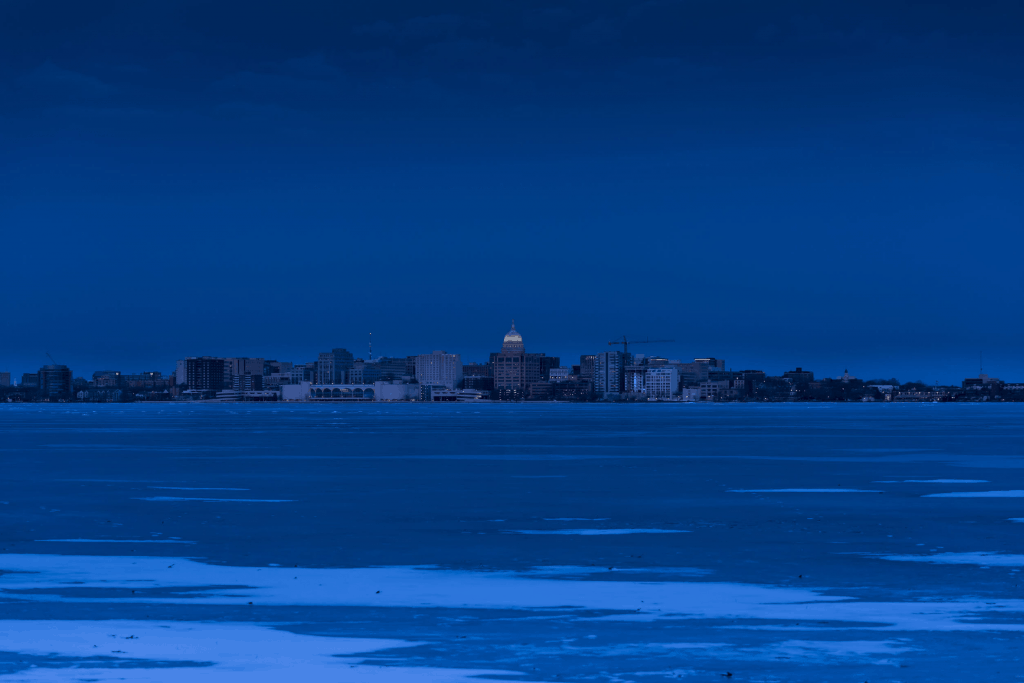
[995, 559]
[88, 579]
[977, 494]
[200, 652]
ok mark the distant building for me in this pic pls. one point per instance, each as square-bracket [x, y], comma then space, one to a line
[205, 373]
[247, 382]
[846, 377]
[516, 371]
[799, 376]
[54, 381]
[478, 376]
[237, 370]
[105, 379]
[180, 373]
[633, 379]
[439, 368]
[661, 382]
[30, 380]
[5, 379]
[609, 367]
[573, 389]
[587, 367]
[559, 374]
[982, 381]
[332, 367]
[390, 369]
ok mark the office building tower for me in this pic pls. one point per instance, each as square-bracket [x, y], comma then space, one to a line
[609, 375]
[5, 379]
[332, 367]
[439, 368]
[54, 381]
[205, 373]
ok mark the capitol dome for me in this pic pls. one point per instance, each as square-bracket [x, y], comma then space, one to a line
[512, 335]
[513, 341]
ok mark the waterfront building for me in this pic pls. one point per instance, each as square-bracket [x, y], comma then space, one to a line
[609, 367]
[106, 378]
[439, 368]
[661, 382]
[180, 373]
[205, 373]
[5, 379]
[30, 380]
[515, 371]
[799, 375]
[54, 382]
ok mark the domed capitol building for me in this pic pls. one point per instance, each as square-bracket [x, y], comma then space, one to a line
[519, 375]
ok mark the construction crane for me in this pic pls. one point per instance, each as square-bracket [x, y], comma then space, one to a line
[51, 358]
[625, 342]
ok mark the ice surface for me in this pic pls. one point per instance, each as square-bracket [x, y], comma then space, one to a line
[990, 559]
[977, 494]
[218, 500]
[49, 578]
[840, 490]
[595, 532]
[109, 540]
[206, 652]
[401, 499]
[194, 488]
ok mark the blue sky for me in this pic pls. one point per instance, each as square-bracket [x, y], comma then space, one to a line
[828, 185]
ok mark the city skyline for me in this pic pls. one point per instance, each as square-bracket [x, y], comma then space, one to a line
[511, 373]
[952, 372]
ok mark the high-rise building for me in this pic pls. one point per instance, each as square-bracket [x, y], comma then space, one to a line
[661, 381]
[30, 380]
[205, 373]
[332, 367]
[439, 368]
[5, 379]
[516, 371]
[609, 377]
[634, 379]
[587, 367]
[55, 381]
[180, 373]
[510, 367]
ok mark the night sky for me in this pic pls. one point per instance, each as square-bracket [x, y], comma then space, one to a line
[829, 185]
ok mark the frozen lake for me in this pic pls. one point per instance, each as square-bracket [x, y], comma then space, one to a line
[404, 542]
